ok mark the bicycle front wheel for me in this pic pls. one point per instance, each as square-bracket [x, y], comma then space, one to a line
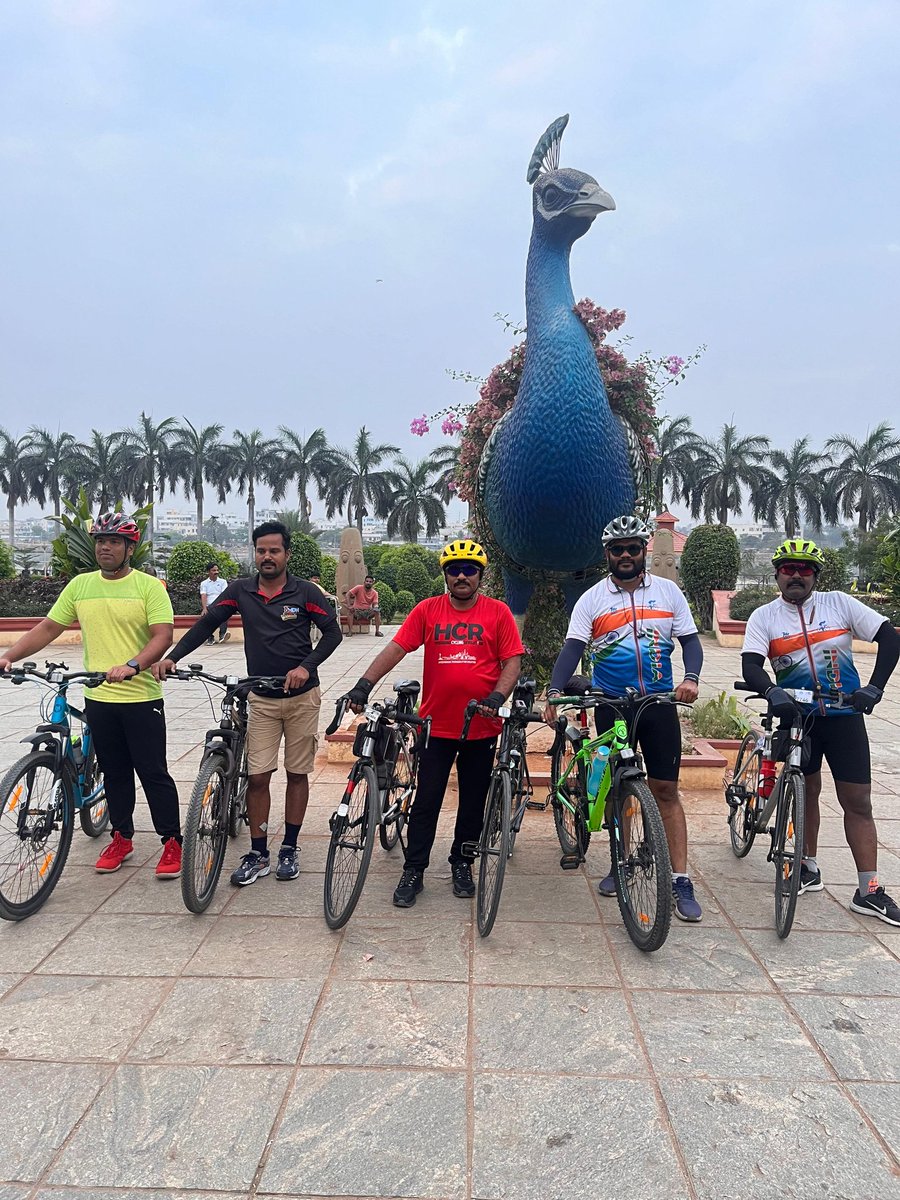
[350, 848]
[237, 809]
[205, 834]
[94, 813]
[494, 851]
[37, 816]
[787, 849]
[397, 798]
[742, 792]
[573, 833]
[640, 864]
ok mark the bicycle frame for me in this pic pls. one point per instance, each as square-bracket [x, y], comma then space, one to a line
[56, 736]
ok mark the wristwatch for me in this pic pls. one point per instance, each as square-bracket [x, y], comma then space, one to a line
[134, 664]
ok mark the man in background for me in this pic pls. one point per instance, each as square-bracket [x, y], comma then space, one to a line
[211, 588]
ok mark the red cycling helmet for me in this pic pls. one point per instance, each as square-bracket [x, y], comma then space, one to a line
[116, 525]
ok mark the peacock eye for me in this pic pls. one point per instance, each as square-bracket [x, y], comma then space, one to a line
[551, 194]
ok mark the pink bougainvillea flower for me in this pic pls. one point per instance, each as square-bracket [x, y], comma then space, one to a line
[419, 426]
[450, 426]
[674, 364]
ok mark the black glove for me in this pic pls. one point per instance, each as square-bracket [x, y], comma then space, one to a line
[494, 701]
[780, 703]
[865, 698]
[359, 693]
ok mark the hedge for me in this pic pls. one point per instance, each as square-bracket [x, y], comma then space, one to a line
[748, 600]
[188, 560]
[29, 597]
[7, 569]
[387, 600]
[710, 561]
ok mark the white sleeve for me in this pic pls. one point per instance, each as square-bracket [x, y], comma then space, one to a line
[683, 622]
[203, 589]
[864, 622]
[581, 623]
[756, 635]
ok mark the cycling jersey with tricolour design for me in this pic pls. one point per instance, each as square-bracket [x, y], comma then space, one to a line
[631, 635]
[816, 648]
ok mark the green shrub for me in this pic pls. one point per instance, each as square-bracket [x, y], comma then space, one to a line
[710, 561]
[387, 600]
[405, 602]
[305, 557]
[187, 563]
[887, 606]
[833, 576]
[437, 586]
[412, 577]
[329, 568]
[748, 600]
[386, 570]
[32, 596]
[7, 569]
[544, 632]
[372, 556]
[719, 717]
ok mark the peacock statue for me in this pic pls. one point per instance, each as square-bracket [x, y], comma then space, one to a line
[560, 464]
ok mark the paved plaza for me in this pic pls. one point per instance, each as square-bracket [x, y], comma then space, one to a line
[251, 1051]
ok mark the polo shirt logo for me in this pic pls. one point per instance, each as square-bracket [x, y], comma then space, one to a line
[290, 612]
[459, 634]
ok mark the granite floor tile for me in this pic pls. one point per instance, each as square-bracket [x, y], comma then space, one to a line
[339, 1132]
[548, 898]
[881, 1102]
[784, 1139]
[543, 953]
[130, 1194]
[436, 901]
[557, 1030]
[752, 906]
[12, 1191]
[725, 1036]
[81, 889]
[402, 949]
[7, 982]
[23, 944]
[121, 944]
[364, 1023]
[64, 1018]
[142, 893]
[694, 958]
[857, 1033]
[844, 963]
[266, 946]
[229, 1021]
[539, 1138]
[42, 1103]
[170, 1127]
[270, 897]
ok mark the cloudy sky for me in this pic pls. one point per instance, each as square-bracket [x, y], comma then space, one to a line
[281, 212]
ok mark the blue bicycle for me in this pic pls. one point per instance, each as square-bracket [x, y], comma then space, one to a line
[40, 794]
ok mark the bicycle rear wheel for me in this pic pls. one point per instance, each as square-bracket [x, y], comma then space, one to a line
[397, 797]
[742, 793]
[494, 851]
[350, 848]
[237, 809]
[640, 865]
[787, 849]
[37, 816]
[205, 834]
[94, 816]
[573, 834]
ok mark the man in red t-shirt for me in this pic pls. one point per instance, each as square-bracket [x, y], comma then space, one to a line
[472, 649]
[362, 605]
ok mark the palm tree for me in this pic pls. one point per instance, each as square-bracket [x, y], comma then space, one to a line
[19, 480]
[415, 500]
[194, 459]
[792, 489]
[866, 480]
[444, 460]
[355, 481]
[722, 467]
[678, 449]
[99, 468]
[248, 460]
[305, 460]
[146, 459]
[58, 455]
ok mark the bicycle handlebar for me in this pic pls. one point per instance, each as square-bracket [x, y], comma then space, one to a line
[343, 702]
[238, 683]
[90, 679]
[505, 712]
[596, 699]
[801, 695]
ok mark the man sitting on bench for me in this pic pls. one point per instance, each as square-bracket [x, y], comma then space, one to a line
[362, 605]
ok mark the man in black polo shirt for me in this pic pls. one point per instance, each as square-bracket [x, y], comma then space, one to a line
[278, 611]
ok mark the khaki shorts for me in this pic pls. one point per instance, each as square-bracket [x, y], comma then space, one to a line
[296, 719]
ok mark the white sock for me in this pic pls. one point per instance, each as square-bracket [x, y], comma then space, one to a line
[680, 875]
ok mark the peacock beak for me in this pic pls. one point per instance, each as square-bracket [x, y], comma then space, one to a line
[591, 201]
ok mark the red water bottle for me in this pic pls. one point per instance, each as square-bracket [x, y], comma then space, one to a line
[766, 777]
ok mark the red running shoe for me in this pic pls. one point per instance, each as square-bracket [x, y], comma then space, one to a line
[169, 865]
[114, 855]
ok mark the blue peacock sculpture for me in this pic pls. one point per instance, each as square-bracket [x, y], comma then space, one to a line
[560, 464]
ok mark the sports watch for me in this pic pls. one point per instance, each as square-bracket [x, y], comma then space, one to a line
[134, 664]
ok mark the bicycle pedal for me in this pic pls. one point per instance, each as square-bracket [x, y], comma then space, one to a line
[470, 850]
[537, 805]
[571, 862]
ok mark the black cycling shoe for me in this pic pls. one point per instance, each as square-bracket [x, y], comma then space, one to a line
[411, 883]
[463, 884]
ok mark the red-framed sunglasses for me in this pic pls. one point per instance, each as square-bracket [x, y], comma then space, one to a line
[804, 569]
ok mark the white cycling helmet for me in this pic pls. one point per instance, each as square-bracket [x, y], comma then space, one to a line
[629, 526]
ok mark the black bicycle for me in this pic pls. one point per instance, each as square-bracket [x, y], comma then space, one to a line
[218, 804]
[379, 792]
[509, 794]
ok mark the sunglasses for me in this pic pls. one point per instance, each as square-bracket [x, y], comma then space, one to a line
[467, 569]
[633, 549]
[804, 569]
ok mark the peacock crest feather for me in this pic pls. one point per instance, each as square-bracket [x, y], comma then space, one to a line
[546, 152]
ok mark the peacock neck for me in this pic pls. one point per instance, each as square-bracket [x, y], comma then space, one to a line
[549, 299]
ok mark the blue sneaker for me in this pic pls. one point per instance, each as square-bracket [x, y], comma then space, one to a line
[253, 866]
[686, 907]
[607, 885]
[288, 863]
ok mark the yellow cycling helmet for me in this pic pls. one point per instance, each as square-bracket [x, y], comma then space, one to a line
[799, 550]
[463, 550]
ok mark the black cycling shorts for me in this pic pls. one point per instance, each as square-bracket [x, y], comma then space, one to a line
[658, 738]
[844, 744]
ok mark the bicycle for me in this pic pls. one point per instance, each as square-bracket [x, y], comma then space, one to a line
[510, 783]
[379, 792]
[40, 794]
[218, 804]
[756, 790]
[623, 803]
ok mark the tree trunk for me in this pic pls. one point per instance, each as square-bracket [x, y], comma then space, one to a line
[151, 490]
[723, 516]
[11, 509]
[200, 510]
[251, 518]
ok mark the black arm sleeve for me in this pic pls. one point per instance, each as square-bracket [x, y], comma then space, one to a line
[888, 641]
[692, 653]
[565, 666]
[329, 641]
[754, 675]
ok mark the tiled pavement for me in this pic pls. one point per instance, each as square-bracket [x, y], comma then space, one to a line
[251, 1051]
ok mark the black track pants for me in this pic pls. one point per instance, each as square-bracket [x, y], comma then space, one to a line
[474, 761]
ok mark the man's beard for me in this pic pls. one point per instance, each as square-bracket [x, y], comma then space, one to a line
[632, 572]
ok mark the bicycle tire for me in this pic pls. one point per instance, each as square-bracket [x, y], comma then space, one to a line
[744, 788]
[94, 817]
[398, 791]
[494, 851]
[518, 790]
[787, 849]
[640, 865]
[30, 859]
[573, 834]
[237, 808]
[350, 847]
[205, 834]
